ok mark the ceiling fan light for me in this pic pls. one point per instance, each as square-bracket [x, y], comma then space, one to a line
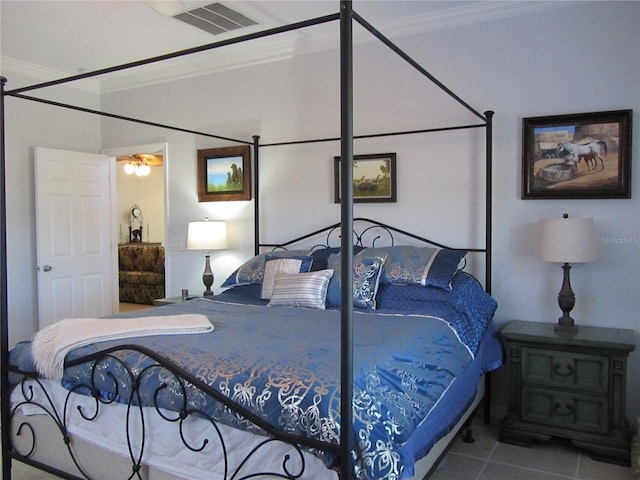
[129, 168]
[144, 170]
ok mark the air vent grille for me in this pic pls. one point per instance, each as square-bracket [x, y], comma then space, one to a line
[215, 19]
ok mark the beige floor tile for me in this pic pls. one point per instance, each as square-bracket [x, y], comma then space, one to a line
[593, 470]
[551, 457]
[459, 467]
[499, 471]
[486, 438]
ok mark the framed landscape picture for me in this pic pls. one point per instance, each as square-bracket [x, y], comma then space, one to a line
[585, 155]
[224, 174]
[374, 178]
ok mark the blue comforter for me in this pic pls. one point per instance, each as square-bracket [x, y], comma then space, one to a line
[283, 364]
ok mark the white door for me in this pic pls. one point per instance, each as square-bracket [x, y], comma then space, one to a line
[73, 234]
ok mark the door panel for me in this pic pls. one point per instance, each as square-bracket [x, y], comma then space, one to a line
[73, 230]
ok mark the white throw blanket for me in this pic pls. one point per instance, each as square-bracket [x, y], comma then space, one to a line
[51, 344]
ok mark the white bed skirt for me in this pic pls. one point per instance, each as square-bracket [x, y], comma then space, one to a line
[100, 446]
[165, 456]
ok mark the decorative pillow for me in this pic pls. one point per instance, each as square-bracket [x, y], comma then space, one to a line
[410, 297]
[301, 289]
[250, 294]
[366, 276]
[321, 256]
[426, 266]
[274, 266]
[252, 271]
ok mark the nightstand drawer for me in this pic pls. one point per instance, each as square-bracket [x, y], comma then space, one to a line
[566, 370]
[586, 413]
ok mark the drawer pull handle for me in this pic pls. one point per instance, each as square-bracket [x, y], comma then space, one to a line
[569, 370]
[568, 409]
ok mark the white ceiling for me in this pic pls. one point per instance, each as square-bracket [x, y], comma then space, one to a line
[54, 39]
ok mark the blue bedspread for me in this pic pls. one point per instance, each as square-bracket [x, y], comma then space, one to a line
[283, 364]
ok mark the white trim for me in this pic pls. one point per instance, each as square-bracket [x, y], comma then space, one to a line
[282, 47]
[44, 74]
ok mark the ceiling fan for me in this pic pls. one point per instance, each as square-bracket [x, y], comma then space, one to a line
[140, 163]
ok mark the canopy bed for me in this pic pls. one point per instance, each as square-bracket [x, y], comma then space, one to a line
[400, 330]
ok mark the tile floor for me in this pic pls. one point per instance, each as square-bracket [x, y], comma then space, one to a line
[488, 459]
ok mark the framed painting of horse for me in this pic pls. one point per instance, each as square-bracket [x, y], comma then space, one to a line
[224, 174]
[586, 155]
[374, 178]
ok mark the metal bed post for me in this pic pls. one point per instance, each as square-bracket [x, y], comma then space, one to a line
[489, 199]
[256, 202]
[4, 319]
[346, 229]
[488, 240]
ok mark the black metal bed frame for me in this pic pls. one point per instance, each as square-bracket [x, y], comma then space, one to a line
[346, 16]
[129, 382]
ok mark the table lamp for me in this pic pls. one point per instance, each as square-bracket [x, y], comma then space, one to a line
[207, 235]
[567, 240]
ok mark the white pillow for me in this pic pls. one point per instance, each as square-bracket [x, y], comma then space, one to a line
[273, 268]
[301, 289]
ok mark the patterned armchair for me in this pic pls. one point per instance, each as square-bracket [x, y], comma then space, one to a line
[141, 273]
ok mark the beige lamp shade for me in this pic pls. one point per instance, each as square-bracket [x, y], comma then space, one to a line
[567, 240]
[207, 235]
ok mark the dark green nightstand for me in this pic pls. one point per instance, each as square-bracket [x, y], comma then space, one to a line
[568, 385]
[158, 302]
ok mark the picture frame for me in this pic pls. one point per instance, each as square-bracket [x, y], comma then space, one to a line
[577, 156]
[374, 178]
[224, 174]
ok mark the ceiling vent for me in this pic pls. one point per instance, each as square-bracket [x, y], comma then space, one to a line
[215, 19]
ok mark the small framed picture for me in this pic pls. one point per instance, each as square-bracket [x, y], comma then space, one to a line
[374, 178]
[224, 174]
[585, 155]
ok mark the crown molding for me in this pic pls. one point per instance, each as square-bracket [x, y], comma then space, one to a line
[42, 74]
[199, 64]
[467, 13]
[274, 49]
[282, 48]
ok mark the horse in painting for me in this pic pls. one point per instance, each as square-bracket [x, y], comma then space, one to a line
[590, 153]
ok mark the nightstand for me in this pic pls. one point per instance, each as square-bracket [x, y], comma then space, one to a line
[171, 300]
[568, 385]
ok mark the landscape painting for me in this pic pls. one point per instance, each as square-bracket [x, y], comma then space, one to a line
[374, 178]
[224, 174]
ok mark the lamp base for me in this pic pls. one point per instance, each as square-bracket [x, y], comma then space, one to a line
[560, 328]
[207, 276]
[566, 301]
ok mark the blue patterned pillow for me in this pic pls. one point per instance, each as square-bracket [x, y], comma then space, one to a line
[426, 266]
[252, 271]
[321, 256]
[301, 289]
[366, 276]
[466, 307]
[410, 297]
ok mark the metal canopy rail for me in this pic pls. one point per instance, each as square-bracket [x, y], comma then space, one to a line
[346, 16]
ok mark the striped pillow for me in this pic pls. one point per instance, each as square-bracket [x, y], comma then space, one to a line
[272, 268]
[301, 289]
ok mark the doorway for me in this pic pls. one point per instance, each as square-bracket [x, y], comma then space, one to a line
[139, 215]
[74, 200]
